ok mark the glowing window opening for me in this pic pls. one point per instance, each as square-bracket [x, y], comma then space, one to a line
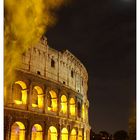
[63, 104]
[64, 134]
[37, 133]
[83, 111]
[72, 106]
[18, 131]
[39, 101]
[23, 92]
[52, 133]
[80, 136]
[53, 101]
[73, 134]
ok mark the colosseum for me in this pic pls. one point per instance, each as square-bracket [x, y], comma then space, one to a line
[48, 98]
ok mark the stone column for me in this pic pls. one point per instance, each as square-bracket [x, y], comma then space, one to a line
[59, 132]
[28, 130]
[68, 106]
[7, 127]
[76, 108]
[45, 132]
[68, 128]
[58, 102]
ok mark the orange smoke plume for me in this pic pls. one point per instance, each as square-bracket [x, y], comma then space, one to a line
[25, 21]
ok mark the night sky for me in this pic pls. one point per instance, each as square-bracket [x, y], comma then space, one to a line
[101, 33]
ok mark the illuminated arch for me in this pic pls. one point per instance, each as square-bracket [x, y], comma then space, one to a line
[63, 104]
[17, 131]
[52, 101]
[52, 133]
[80, 135]
[37, 133]
[72, 106]
[73, 134]
[20, 92]
[37, 97]
[64, 134]
[85, 135]
[83, 111]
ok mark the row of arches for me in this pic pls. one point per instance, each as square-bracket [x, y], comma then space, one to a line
[18, 133]
[39, 100]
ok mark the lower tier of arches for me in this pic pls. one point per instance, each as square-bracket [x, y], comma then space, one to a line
[19, 125]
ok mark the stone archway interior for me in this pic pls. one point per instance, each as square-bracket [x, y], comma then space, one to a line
[18, 131]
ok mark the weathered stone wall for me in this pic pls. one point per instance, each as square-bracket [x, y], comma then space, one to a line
[66, 68]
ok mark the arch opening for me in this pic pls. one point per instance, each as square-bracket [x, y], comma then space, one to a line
[72, 106]
[37, 133]
[64, 134]
[73, 134]
[83, 111]
[52, 133]
[80, 136]
[37, 97]
[17, 131]
[63, 104]
[20, 93]
[52, 101]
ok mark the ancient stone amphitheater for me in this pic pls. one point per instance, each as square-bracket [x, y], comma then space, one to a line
[48, 99]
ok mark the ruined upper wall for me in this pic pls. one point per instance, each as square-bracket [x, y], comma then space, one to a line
[62, 67]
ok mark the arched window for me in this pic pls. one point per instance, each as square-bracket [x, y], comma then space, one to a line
[37, 97]
[72, 106]
[63, 104]
[80, 134]
[52, 101]
[52, 63]
[20, 92]
[64, 134]
[72, 73]
[17, 131]
[37, 133]
[73, 134]
[52, 133]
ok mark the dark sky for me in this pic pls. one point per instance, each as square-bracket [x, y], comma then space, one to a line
[101, 33]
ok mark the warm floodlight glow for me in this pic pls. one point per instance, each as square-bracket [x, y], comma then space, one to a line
[34, 105]
[17, 102]
[83, 112]
[64, 134]
[63, 104]
[37, 132]
[53, 101]
[52, 133]
[37, 99]
[20, 93]
[80, 135]
[22, 84]
[72, 106]
[17, 131]
[85, 136]
[73, 134]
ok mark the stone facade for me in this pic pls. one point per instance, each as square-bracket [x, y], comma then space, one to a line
[48, 99]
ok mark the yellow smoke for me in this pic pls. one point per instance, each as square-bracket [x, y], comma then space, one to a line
[25, 21]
